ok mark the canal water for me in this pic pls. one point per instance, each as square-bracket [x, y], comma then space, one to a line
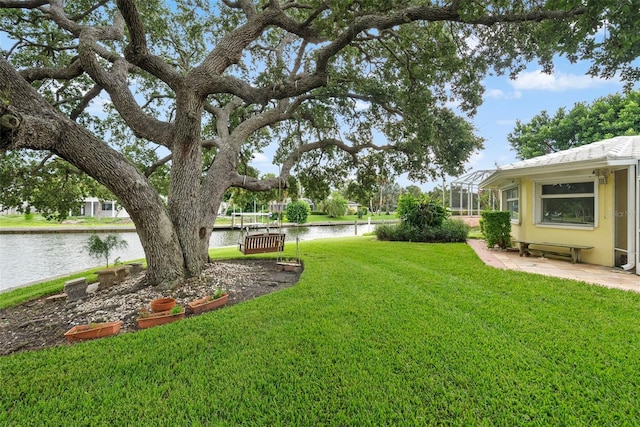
[28, 258]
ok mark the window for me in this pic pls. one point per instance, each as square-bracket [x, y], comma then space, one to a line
[568, 203]
[107, 206]
[512, 202]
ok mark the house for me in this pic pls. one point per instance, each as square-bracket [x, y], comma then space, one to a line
[95, 207]
[91, 206]
[587, 195]
[281, 206]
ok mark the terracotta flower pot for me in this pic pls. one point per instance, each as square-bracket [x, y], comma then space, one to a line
[289, 265]
[160, 318]
[206, 304]
[162, 304]
[87, 332]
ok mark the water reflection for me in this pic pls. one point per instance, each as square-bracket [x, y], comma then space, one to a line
[26, 258]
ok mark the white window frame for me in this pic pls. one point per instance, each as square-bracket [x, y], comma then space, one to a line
[537, 217]
[506, 200]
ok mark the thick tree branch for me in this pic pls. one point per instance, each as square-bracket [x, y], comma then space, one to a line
[229, 50]
[137, 51]
[72, 71]
[115, 83]
[163, 161]
[222, 115]
[86, 100]
[256, 184]
[294, 156]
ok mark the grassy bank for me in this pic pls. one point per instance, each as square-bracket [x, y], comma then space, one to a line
[36, 220]
[375, 333]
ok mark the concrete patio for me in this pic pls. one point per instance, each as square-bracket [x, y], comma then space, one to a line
[606, 276]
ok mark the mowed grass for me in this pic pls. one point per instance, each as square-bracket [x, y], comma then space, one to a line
[375, 333]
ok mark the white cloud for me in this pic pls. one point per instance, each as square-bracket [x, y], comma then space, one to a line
[500, 94]
[362, 105]
[258, 158]
[558, 82]
[97, 105]
[475, 159]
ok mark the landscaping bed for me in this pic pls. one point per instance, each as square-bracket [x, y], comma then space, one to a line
[42, 322]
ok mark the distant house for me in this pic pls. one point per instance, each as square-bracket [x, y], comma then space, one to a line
[95, 207]
[588, 195]
[91, 206]
[353, 206]
[281, 206]
[9, 211]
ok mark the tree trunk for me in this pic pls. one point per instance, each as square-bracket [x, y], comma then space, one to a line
[40, 127]
[165, 266]
[185, 180]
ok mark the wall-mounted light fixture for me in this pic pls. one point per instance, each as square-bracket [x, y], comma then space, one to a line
[603, 176]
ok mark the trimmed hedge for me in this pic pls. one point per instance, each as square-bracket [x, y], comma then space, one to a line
[298, 211]
[451, 231]
[496, 227]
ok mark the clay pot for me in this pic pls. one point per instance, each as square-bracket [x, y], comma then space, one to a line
[162, 304]
[205, 304]
[155, 319]
[291, 265]
[87, 332]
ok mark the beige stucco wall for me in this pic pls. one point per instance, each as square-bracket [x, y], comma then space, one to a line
[601, 237]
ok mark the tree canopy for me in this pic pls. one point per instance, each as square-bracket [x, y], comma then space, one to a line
[606, 117]
[153, 98]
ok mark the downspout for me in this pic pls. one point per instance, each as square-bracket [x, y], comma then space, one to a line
[633, 206]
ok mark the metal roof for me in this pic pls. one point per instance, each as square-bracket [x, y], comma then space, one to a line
[621, 150]
[472, 178]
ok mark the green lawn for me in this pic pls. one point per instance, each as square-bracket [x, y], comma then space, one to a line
[375, 333]
[37, 220]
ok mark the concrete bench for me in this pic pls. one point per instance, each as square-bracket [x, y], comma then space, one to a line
[76, 289]
[574, 250]
[111, 276]
[262, 243]
[136, 267]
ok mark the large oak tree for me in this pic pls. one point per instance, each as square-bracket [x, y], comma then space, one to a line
[213, 82]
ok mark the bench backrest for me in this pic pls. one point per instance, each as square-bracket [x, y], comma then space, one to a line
[262, 243]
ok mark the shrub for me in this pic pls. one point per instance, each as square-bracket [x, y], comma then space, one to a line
[361, 212]
[453, 230]
[336, 206]
[496, 227]
[298, 211]
[276, 216]
[421, 212]
[385, 231]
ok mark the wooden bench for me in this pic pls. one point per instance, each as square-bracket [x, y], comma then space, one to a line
[262, 243]
[574, 250]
